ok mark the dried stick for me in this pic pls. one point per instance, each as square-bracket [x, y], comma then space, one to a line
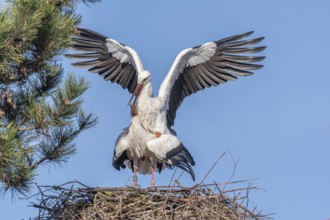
[212, 168]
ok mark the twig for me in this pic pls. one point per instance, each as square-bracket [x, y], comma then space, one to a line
[172, 177]
[177, 180]
[212, 168]
[234, 170]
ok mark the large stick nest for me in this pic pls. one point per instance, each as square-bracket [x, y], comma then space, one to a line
[202, 201]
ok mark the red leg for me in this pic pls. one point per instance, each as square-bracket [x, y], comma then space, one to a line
[152, 177]
[134, 178]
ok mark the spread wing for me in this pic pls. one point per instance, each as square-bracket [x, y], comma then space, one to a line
[210, 64]
[109, 58]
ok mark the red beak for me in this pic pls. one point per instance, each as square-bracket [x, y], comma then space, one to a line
[135, 93]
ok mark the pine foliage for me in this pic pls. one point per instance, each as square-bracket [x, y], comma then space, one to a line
[40, 112]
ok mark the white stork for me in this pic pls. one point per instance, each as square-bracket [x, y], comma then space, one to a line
[149, 144]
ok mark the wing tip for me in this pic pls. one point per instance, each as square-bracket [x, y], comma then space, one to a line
[84, 32]
[261, 38]
[261, 48]
[237, 37]
[248, 33]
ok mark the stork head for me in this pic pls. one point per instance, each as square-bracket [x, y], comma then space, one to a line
[143, 78]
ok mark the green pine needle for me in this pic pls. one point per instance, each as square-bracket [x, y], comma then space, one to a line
[40, 112]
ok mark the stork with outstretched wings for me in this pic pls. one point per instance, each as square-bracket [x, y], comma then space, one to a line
[149, 144]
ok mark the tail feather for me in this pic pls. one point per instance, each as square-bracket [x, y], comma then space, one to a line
[181, 158]
[119, 161]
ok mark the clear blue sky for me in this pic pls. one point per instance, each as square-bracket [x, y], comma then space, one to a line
[276, 121]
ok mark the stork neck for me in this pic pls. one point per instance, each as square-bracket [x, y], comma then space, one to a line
[146, 91]
[143, 97]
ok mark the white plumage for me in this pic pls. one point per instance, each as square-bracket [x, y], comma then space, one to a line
[149, 143]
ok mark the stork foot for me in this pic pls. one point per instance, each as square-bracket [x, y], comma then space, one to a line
[134, 181]
[135, 177]
[152, 177]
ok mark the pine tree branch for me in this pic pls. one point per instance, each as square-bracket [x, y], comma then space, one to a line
[36, 108]
[27, 128]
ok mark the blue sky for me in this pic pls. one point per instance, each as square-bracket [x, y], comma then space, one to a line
[276, 122]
